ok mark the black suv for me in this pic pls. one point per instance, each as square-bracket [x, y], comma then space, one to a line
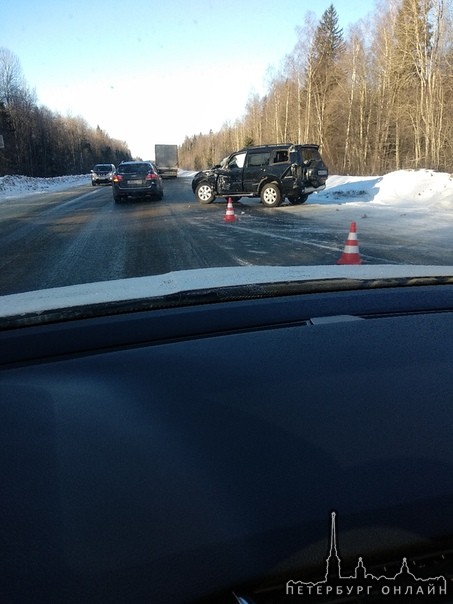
[137, 179]
[271, 172]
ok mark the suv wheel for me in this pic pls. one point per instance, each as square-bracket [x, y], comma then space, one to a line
[270, 195]
[296, 201]
[205, 193]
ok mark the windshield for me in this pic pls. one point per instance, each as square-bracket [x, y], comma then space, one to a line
[368, 121]
[335, 121]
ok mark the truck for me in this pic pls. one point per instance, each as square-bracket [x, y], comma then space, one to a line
[166, 159]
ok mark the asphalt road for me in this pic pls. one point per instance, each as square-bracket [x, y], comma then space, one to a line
[82, 236]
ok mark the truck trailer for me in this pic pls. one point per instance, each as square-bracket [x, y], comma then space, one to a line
[166, 158]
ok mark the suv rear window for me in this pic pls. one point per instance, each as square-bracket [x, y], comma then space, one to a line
[131, 168]
[309, 154]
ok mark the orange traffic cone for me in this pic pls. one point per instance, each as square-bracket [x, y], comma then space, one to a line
[229, 214]
[351, 254]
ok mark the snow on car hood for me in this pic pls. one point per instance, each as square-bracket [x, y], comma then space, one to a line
[159, 286]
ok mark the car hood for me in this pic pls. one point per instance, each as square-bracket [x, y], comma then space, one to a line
[189, 287]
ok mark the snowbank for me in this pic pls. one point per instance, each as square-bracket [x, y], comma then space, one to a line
[18, 186]
[413, 189]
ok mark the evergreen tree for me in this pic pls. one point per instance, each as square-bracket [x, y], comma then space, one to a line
[324, 75]
[328, 41]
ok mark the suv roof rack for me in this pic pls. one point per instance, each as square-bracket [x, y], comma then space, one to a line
[270, 146]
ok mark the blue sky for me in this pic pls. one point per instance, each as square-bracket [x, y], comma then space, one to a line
[153, 72]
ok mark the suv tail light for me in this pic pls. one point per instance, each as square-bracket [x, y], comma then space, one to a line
[117, 178]
[151, 176]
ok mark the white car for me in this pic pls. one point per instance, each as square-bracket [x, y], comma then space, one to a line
[102, 174]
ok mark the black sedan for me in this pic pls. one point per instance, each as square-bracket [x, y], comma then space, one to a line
[137, 179]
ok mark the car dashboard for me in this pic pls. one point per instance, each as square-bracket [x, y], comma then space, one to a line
[196, 454]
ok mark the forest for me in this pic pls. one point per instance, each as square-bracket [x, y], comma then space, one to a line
[376, 99]
[36, 141]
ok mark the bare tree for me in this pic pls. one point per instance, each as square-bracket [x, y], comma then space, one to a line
[12, 81]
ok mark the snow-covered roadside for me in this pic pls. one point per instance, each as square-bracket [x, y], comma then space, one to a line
[415, 206]
[12, 187]
[419, 190]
